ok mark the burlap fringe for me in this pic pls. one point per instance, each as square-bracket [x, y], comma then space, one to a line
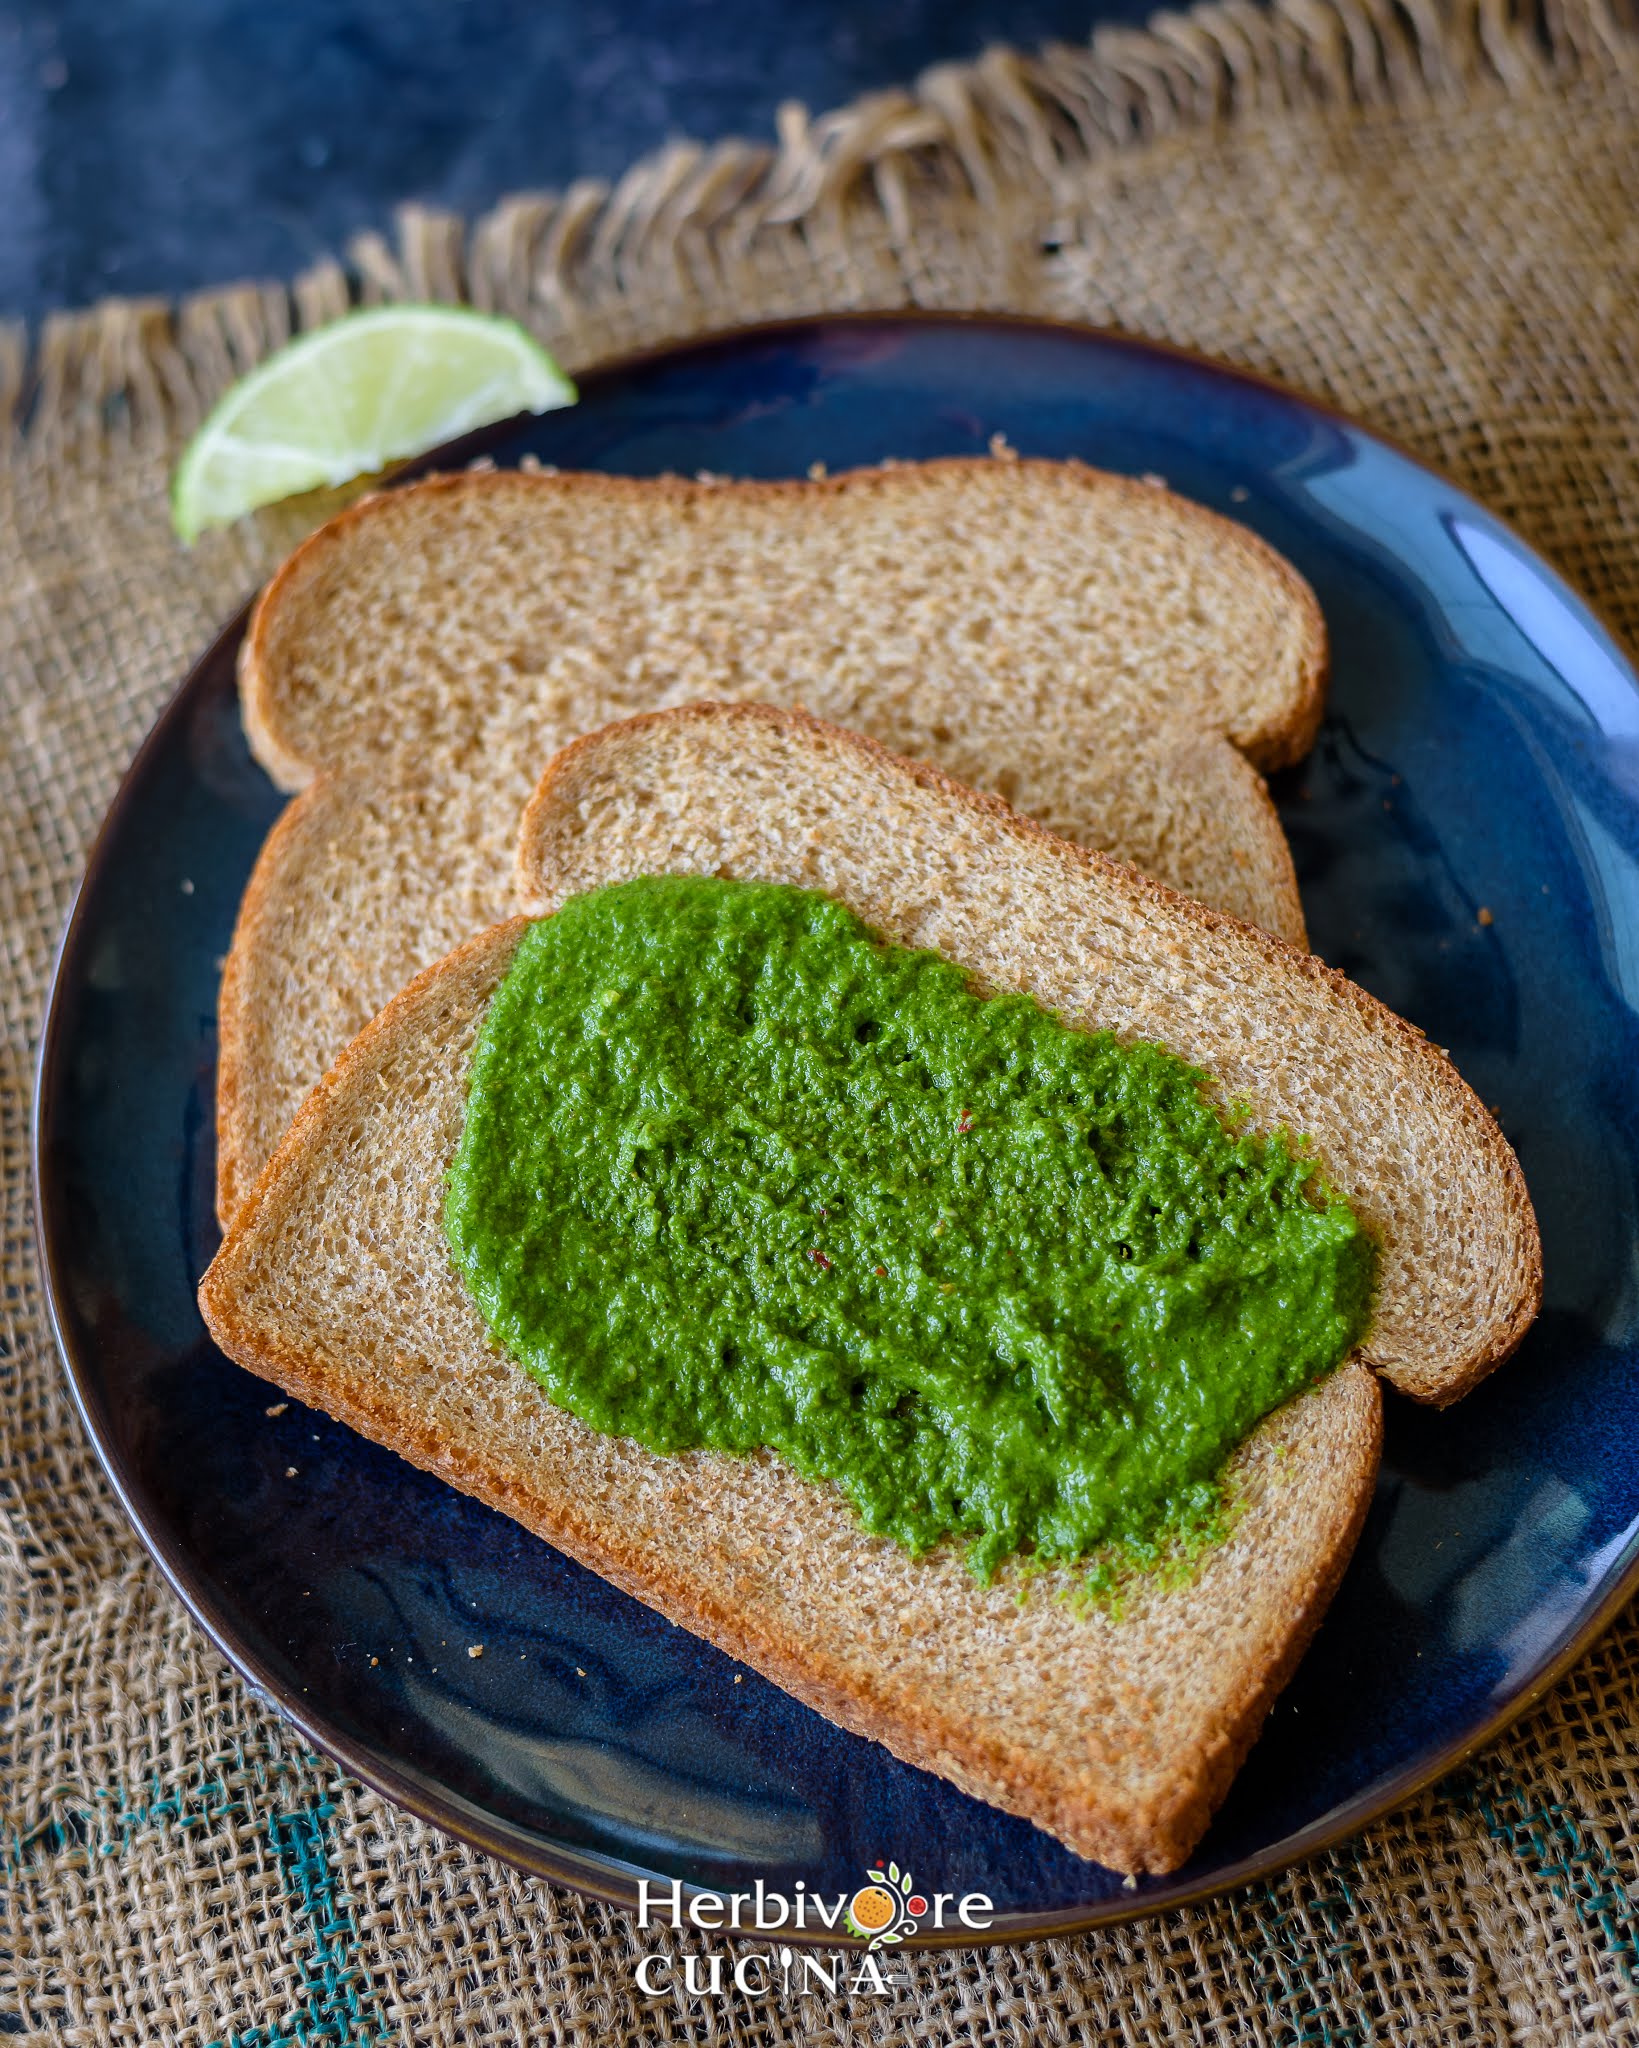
[1006, 123]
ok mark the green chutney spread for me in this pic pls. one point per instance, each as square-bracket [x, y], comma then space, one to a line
[736, 1172]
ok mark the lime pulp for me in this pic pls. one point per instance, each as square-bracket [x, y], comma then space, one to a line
[349, 398]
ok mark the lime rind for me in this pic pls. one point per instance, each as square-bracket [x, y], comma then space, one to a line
[353, 396]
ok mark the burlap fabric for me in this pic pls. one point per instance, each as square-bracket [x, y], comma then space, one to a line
[1426, 214]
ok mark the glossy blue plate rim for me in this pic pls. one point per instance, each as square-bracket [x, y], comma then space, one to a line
[608, 1877]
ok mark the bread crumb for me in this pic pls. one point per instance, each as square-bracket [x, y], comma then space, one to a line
[278, 1408]
[817, 472]
[290, 1472]
[1002, 449]
[1239, 494]
[481, 465]
[1483, 916]
[187, 886]
[579, 1673]
[739, 1677]
[1129, 1883]
[374, 1661]
[475, 1649]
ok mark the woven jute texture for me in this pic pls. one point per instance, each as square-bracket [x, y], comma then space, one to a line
[1425, 213]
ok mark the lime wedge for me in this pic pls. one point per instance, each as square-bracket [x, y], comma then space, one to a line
[353, 396]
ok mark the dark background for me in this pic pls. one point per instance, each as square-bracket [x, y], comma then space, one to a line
[158, 145]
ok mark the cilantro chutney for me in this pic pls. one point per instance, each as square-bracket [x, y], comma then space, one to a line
[735, 1172]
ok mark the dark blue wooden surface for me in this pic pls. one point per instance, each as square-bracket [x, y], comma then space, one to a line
[159, 145]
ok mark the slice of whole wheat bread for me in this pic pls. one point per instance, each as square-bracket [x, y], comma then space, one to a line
[995, 612]
[774, 795]
[1118, 1731]
[1089, 646]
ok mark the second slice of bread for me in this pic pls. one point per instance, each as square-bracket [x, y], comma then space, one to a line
[777, 796]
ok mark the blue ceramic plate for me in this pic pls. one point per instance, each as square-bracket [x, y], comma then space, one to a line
[1466, 834]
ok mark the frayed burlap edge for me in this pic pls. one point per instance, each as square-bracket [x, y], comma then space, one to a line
[983, 135]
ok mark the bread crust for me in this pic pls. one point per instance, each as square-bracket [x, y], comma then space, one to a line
[236, 1015]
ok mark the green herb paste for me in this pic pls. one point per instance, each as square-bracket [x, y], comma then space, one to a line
[735, 1172]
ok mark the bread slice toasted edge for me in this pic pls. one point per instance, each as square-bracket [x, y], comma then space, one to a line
[1119, 1733]
[294, 601]
[761, 793]
[300, 978]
